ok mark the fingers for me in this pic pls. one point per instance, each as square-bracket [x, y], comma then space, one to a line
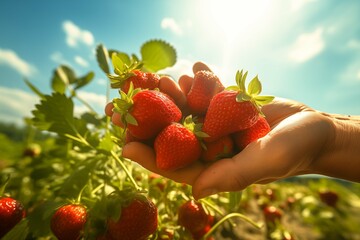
[145, 156]
[199, 66]
[170, 87]
[185, 83]
[234, 174]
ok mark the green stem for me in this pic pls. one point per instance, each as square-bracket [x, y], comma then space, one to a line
[231, 215]
[122, 165]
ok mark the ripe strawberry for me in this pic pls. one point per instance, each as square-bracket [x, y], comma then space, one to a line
[192, 216]
[176, 146]
[69, 221]
[204, 86]
[146, 112]
[11, 213]
[142, 80]
[272, 214]
[256, 131]
[138, 221]
[234, 109]
[329, 197]
[221, 148]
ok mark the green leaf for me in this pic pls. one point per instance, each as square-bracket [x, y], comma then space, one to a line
[123, 56]
[118, 63]
[102, 57]
[262, 100]
[55, 114]
[19, 232]
[130, 119]
[242, 96]
[106, 143]
[80, 82]
[33, 88]
[254, 87]
[157, 55]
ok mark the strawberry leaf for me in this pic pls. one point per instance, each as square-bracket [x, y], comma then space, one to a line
[262, 100]
[130, 119]
[254, 87]
[19, 232]
[102, 56]
[157, 55]
[81, 82]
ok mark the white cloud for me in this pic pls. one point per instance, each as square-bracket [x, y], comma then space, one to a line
[11, 59]
[172, 25]
[96, 101]
[81, 61]
[15, 104]
[181, 67]
[75, 35]
[57, 57]
[307, 46]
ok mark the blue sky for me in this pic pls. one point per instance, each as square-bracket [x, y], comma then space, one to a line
[307, 50]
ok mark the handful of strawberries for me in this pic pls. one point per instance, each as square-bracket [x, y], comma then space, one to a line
[214, 123]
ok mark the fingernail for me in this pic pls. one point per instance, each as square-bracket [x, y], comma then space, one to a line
[207, 192]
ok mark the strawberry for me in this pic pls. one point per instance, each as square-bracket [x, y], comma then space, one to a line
[11, 213]
[329, 197]
[256, 131]
[234, 109]
[142, 80]
[272, 214]
[221, 148]
[146, 112]
[69, 221]
[192, 216]
[204, 86]
[138, 220]
[177, 146]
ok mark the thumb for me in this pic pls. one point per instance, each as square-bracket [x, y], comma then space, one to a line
[232, 174]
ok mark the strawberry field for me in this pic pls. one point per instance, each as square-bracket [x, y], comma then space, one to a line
[63, 175]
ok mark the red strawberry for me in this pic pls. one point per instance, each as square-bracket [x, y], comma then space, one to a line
[69, 221]
[221, 148]
[138, 221]
[11, 213]
[234, 109]
[329, 197]
[175, 147]
[272, 214]
[192, 216]
[146, 112]
[142, 80]
[204, 86]
[256, 131]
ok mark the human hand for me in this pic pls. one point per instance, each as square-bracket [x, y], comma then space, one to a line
[297, 139]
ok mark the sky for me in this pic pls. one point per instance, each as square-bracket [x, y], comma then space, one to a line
[306, 50]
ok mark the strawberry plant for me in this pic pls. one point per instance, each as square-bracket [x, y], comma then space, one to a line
[73, 183]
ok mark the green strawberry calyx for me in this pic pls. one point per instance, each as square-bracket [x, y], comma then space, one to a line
[124, 104]
[192, 125]
[123, 69]
[251, 93]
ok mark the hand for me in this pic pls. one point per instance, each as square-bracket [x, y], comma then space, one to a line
[296, 140]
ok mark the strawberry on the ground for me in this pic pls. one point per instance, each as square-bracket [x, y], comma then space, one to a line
[138, 220]
[146, 112]
[200, 234]
[204, 86]
[221, 148]
[234, 109]
[68, 222]
[177, 146]
[256, 131]
[11, 213]
[192, 216]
